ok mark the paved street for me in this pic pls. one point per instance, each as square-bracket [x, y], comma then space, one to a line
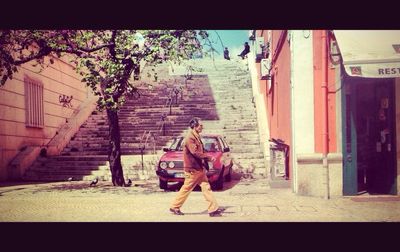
[245, 200]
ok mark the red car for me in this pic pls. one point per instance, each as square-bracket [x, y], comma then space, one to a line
[170, 166]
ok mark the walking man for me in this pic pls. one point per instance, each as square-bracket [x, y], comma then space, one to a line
[194, 165]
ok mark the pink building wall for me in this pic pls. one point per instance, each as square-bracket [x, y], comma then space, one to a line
[58, 79]
[278, 98]
[332, 134]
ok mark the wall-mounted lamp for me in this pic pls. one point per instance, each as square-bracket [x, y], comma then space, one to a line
[334, 48]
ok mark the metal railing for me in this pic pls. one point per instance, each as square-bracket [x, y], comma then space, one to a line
[143, 142]
[172, 98]
[162, 125]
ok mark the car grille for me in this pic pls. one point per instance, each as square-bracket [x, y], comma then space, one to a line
[178, 164]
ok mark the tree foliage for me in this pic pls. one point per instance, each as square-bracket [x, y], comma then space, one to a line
[105, 59]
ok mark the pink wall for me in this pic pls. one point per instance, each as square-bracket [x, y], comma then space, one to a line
[278, 100]
[317, 58]
[59, 78]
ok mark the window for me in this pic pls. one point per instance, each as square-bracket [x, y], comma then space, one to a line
[210, 144]
[177, 144]
[34, 112]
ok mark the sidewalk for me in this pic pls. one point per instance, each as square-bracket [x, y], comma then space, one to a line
[247, 200]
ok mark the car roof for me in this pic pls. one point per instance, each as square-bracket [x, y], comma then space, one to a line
[210, 135]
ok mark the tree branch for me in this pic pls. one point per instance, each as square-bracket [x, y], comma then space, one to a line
[112, 45]
[42, 52]
[90, 50]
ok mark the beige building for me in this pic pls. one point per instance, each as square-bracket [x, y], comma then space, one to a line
[39, 108]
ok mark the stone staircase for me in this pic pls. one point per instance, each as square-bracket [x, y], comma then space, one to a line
[237, 118]
[220, 95]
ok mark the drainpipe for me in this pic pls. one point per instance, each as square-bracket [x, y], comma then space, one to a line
[324, 89]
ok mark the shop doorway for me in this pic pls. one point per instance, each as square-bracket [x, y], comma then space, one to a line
[369, 139]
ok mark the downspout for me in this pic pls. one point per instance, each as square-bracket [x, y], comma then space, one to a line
[324, 89]
[293, 108]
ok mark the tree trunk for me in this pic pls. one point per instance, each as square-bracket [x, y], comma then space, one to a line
[114, 153]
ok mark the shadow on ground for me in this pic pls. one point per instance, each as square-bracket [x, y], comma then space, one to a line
[149, 186]
[236, 177]
[143, 186]
[225, 209]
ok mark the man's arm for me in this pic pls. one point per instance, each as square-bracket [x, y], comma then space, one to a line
[195, 150]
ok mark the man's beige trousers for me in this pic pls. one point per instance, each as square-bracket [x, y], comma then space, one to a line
[192, 179]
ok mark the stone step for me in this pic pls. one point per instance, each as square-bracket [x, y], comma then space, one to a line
[232, 141]
[127, 131]
[78, 158]
[136, 138]
[257, 155]
[77, 163]
[104, 152]
[247, 159]
[67, 172]
[64, 177]
[69, 168]
[240, 151]
[243, 149]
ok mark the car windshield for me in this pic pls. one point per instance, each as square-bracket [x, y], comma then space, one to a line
[210, 144]
[176, 144]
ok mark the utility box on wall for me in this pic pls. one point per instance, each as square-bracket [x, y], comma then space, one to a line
[279, 154]
[265, 66]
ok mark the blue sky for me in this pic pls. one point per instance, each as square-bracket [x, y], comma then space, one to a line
[233, 39]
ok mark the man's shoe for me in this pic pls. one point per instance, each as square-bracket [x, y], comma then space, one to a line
[222, 209]
[176, 211]
[216, 213]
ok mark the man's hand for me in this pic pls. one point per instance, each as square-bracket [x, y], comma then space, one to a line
[212, 159]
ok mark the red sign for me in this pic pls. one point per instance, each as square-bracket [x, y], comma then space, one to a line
[355, 70]
[396, 48]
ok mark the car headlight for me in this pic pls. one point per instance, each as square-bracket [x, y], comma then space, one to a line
[171, 164]
[163, 165]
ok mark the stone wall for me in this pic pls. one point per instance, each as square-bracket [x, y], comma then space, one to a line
[312, 177]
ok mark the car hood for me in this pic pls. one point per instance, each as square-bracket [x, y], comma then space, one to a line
[172, 156]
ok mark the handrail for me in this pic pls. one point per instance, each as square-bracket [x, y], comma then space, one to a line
[169, 104]
[145, 138]
[143, 141]
[162, 125]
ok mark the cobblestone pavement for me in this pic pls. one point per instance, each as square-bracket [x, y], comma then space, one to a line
[245, 200]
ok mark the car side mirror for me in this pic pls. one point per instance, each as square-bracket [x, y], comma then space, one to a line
[226, 149]
[166, 149]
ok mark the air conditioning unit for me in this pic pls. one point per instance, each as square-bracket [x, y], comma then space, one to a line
[259, 48]
[265, 65]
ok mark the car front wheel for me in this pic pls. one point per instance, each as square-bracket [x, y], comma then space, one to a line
[228, 176]
[219, 184]
[163, 184]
